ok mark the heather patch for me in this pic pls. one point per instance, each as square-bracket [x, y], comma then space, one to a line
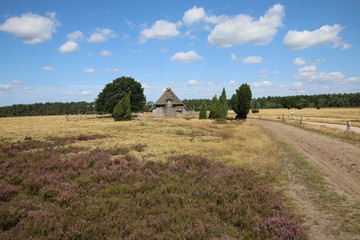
[65, 140]
[57, 193]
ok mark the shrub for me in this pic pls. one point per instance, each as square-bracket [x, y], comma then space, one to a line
[122, 110]
[215, 108]
[241, 101]
[255, 110]
[6, 191]
[202, 113]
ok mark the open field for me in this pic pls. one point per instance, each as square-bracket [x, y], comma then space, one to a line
[158, 179]
[100, 179]
[163, 138]
[323, 115]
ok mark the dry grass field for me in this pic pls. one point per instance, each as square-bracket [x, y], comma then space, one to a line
[166, 161]
[149, 179]
[237, 143]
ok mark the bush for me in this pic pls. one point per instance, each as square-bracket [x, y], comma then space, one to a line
[7, 191]
[116, 90]
[122, 110]
[255, 110]
[241, 101]
[202, 113]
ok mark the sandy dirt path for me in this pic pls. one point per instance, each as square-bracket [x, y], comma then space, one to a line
[338, 160]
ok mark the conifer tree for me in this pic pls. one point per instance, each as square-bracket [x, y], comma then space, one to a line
[202, 113]
[215, 108]
[223, 105]
[241, 101]
[122, 111]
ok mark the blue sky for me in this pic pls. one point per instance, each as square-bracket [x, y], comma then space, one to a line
[62, 51]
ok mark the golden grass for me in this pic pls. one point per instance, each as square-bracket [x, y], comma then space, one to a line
[323, 115]
[234, 142]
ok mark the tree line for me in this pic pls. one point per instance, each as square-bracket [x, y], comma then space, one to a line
[120, 87]
[55, 108]
[308, 101]
[298, 101]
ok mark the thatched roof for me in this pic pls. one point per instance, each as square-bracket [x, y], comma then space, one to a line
[168, 95]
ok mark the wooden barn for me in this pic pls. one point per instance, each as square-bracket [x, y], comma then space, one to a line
[168, 105]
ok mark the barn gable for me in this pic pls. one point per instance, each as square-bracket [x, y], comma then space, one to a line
[168, 105]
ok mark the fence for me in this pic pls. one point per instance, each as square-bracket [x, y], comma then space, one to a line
[79, 117]
[135, 116]
[143, 116]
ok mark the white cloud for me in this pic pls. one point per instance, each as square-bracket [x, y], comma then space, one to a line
[354, 80]
[346, 46]
[232, 83]
[299, 61]
[85, 93]
[263, 84]
[147, 86]
[186, 57]
[215, 19]
[268, 74]
[112, 69]
[253, 59]
[16, 82]
[296, 40]
[160, 30]
[106, 53]
[192, 82]
[311, 74]
[101, 35]
[89, 70]
[233, 57]
[69, 47]
[32, 28]
[188, 34]
[49, 69]
[298, 87]
[76, 36]
[193, 15]
[5, 86]
[15, 85]
[244, 29]
[311, 68]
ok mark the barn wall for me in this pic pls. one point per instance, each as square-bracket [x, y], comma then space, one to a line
[171, 111]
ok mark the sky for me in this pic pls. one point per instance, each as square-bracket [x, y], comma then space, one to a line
[64, 51]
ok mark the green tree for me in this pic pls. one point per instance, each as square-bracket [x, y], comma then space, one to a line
[223, 105]
[122, 110]
[215, 110]
[116, 90]
[202, 113]
[241, 101]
